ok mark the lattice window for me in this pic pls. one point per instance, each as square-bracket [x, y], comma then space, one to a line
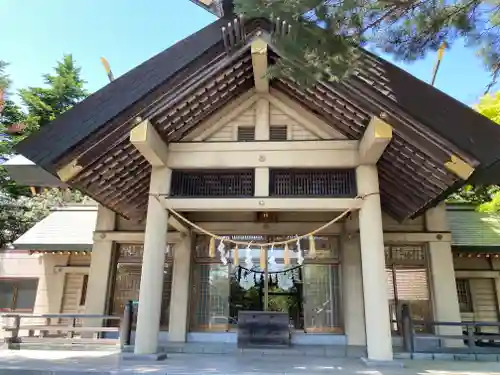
[18, 294]
[127, 280]
[322, 306]
[220, 183]
[278, 133]
[464, 295]
[246, 133]
[132, 253]
[408, 284]
[405, 254]
[319, 183]
[211, 297]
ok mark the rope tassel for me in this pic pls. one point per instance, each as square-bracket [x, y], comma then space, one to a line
[262, 258]
[211, 248]
[236, 258]
[312, 247]
[286, 255]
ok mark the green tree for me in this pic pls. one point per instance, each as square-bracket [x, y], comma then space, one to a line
[4, 78]
[486, 198]
[17, 215]
[489, 106]
[64, 89]
[10, 114]
[405, 29]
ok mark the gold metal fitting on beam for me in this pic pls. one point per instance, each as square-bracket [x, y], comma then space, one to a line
[461, 168]
[69, 171]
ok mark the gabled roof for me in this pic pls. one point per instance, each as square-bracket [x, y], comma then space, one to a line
[70, 128]
[472, 229]
[179, 88]
[65, 229]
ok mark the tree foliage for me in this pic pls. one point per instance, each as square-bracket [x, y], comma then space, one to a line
[19, 210]
[406, 29]
[64, 89]
[489, 106]
[487, 198]
[4, 78]
[17, 215]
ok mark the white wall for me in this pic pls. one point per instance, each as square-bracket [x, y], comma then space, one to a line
[16, 264]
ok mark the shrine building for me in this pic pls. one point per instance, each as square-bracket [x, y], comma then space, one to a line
[222, 191]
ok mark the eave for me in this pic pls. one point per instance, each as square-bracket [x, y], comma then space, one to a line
[413, 169]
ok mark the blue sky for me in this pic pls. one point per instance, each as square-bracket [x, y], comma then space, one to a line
[127, 32]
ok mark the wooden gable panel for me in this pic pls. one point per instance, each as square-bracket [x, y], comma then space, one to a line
[228, 131]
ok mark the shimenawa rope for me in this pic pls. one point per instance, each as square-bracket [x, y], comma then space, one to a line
[247, 244]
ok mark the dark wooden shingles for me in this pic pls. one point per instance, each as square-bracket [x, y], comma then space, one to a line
[120, 177]
[461, 126]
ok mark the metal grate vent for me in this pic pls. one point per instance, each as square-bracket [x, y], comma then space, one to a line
[278, 133]
[313, 183]
[246, 133]
[208, 184]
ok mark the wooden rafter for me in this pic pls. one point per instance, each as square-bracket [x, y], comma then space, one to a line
[377, 136]
[149, 143]
[259, 63]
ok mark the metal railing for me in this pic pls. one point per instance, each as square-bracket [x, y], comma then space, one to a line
[471, 339]
[66, 329]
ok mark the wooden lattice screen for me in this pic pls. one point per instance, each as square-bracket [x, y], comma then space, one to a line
[320, 183]
[221, 183]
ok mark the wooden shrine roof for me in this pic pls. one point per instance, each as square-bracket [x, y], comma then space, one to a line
[182, 86]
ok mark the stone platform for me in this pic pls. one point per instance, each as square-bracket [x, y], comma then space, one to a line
[32, 362]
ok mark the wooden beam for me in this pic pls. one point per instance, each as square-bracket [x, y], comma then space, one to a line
[289, 154]
[259, 63]
[303, 116]
[149, 143]
[130, 237]
[177, 225]
[461, 168]
[477, 274]
[412, 237]
[377, 136]
[262, 204]
[84, 270]
[284, 228]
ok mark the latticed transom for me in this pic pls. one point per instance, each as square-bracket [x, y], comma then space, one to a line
[406, 253]
[464, 295]
[278, 133]
[219, 183]
[246, 133]
[319, 183]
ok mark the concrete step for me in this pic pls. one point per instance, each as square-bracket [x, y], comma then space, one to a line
[330, 351]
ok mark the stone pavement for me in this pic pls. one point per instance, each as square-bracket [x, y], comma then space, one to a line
[30, 362]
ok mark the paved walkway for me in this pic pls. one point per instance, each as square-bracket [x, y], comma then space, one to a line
[80, 363]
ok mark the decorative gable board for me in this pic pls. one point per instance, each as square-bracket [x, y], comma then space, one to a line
[296, 132]
[278, 116]
[229, 131]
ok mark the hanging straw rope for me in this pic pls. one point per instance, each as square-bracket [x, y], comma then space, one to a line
[243, 243]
